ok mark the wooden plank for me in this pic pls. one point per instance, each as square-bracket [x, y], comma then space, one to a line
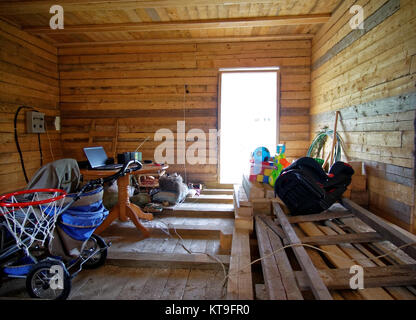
[318, 287]
[7, 27]
[253, 190]
[153, 288]
[375, 277]
[397, 103]
[174, 260]
[272, 243]
[39, 7]
[395, 255]
[186, 24]
[395, 234]
[96, 286]
[240, 285]
[272, 278]
[272, 225]
[241, 197]
[175, 285]
[217, 191]
[340, 257]
[344, 238]
[363, 256]
[200, 210]
[196, 285]
[319, 216]
[194, 40]
[206, 229]
[388, 9]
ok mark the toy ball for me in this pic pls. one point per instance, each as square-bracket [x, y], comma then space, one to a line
[261, 154]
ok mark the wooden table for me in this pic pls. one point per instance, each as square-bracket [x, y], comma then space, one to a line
[124, 209]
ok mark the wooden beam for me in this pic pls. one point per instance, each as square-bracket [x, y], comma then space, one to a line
[186, 25]
[278, 273]
[316, 283]
[42, 6]
[326, 215]
[240, 284]
[189, 230]
[343, 238]
[385, 106]
[396, 235]
[272, 225]
[374, 277]
[161, 259]
[272, 277]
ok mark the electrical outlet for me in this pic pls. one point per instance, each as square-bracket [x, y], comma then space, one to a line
[35, 122]
[58, 123]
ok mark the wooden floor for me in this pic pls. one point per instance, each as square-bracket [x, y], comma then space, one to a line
[159, 267]
[197, 251]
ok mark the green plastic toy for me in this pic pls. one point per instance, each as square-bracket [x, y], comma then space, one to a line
[280, 162]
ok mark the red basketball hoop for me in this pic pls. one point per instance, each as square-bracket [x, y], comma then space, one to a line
[30, 215]
[61, 194]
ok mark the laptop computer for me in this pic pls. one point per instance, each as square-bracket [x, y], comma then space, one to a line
[97, 159]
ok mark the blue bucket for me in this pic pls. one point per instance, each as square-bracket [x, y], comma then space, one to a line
[82, 218]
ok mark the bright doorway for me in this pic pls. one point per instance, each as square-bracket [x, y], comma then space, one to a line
[248, 118]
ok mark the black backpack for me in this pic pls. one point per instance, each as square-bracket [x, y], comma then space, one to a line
[305, 188]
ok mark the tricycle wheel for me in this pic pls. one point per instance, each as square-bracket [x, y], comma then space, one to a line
[50, 280]
[94, 243]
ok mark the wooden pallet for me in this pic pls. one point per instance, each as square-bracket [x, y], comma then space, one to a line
[346, 235]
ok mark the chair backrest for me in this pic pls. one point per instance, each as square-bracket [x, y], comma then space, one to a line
[61, 174]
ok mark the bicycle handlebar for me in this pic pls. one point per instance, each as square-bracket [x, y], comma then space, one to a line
[122, 172]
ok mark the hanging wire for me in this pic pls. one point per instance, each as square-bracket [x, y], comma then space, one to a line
[319, 141]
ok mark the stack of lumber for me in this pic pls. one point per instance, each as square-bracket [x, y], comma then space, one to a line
[357, 190]
[344, 236]
[261, 195]
[243, 209]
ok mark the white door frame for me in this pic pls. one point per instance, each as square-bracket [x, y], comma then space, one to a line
[249, 70]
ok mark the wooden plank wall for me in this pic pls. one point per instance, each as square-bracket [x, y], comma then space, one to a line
[370, 76]
[143, 86]
[28, 76]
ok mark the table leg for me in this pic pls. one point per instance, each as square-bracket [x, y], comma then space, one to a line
[123, 196]
[137, 223]
[139, 213]
[134, 213]
[125, 209]
[114, 214]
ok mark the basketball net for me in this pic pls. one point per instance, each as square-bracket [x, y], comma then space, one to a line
[33, 220]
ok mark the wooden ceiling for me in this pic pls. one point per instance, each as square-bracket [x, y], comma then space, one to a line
[167, 21]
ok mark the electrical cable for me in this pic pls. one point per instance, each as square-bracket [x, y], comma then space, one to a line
[16, 140]
[185, 91]
[49, 140]
[40, 150]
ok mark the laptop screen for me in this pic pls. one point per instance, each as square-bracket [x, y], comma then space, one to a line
[96, 156]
